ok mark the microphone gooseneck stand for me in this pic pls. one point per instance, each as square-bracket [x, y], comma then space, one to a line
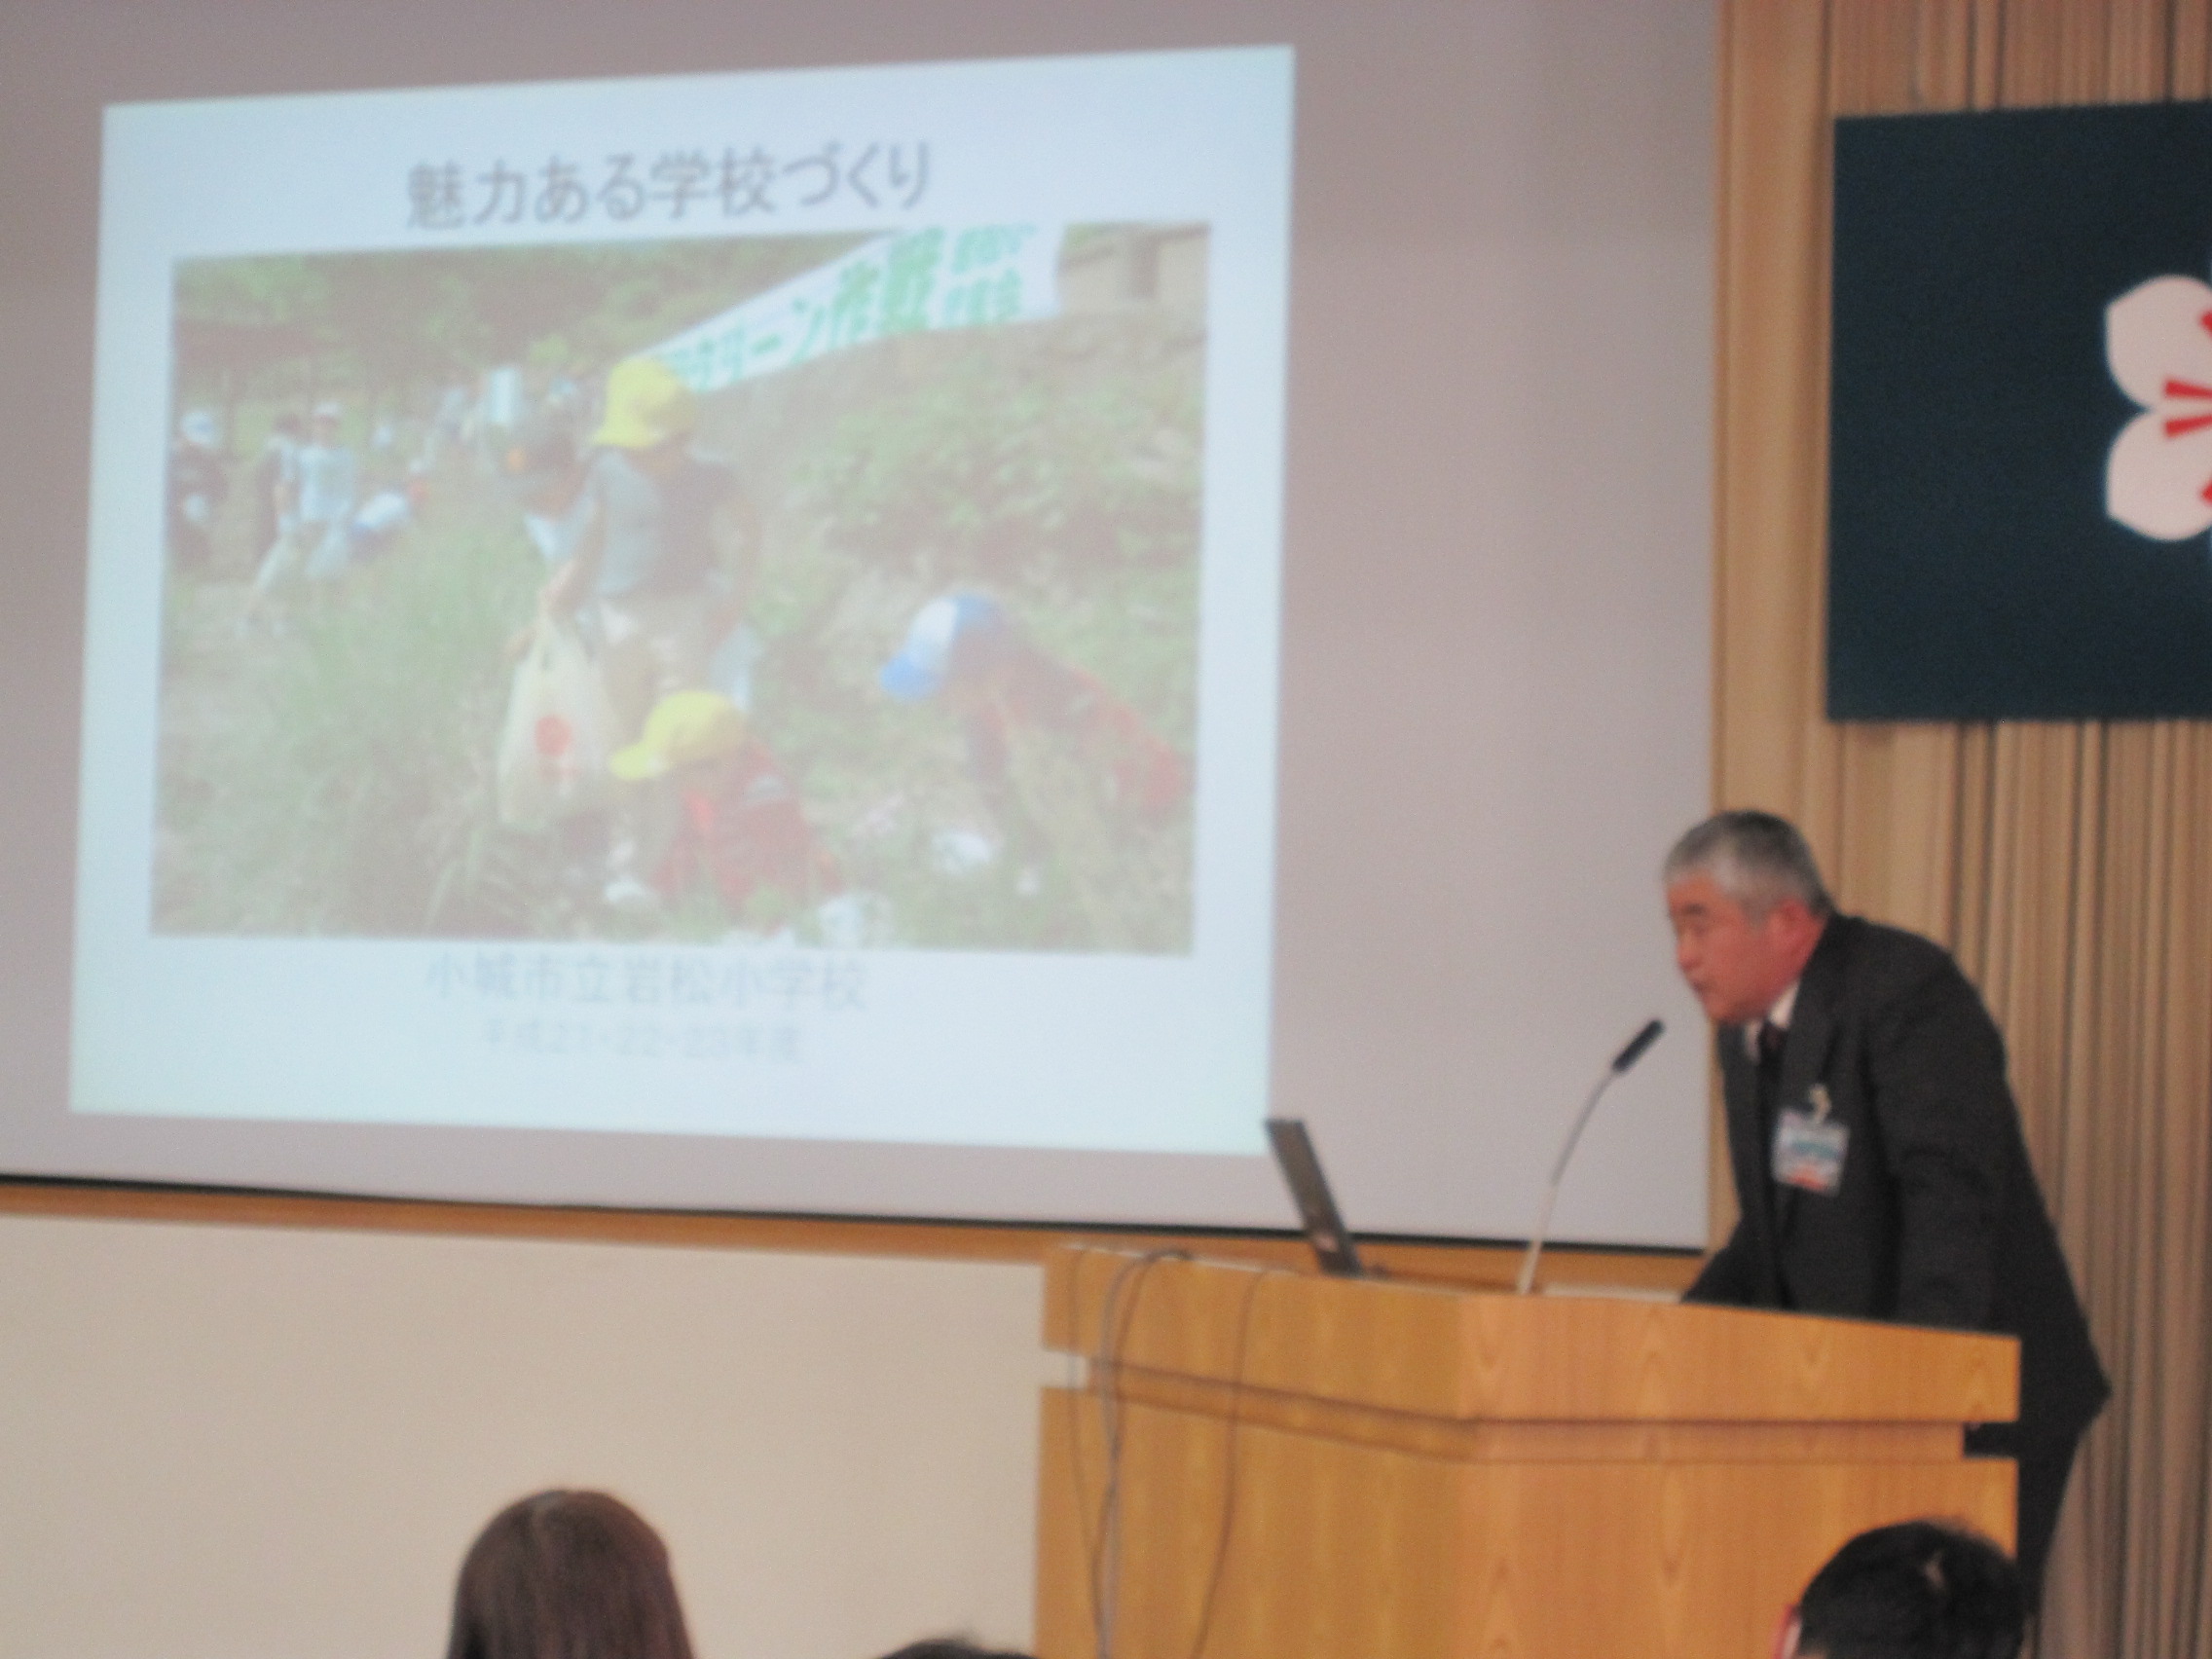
[1625, 1058]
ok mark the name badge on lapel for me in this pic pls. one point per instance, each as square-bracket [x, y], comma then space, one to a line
[1809, 1149]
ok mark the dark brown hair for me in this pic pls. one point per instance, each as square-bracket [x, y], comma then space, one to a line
[566, 1575]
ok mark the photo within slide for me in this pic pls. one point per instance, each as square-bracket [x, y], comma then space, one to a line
[843, 587]
[731, 604]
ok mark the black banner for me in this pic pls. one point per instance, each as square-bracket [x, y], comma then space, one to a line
[2021, 465]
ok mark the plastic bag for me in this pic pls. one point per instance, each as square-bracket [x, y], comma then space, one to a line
[560, 733]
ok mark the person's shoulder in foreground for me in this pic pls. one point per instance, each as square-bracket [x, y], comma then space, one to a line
[1917, 1589]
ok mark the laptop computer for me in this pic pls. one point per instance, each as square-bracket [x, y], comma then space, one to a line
[1301, 1169]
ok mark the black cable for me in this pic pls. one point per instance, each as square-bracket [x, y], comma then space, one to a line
[1113, 1341]
[1105, 1549]
[1073, 1341]
[1228, 1455]
[1095, 1541]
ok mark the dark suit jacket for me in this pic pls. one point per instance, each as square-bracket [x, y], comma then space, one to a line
[1938, 1219]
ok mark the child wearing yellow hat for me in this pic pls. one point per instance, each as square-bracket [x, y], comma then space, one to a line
[738, 826]
[667, 538]
[661, 561]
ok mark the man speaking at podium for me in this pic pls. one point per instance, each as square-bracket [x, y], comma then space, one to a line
[1880, 1169]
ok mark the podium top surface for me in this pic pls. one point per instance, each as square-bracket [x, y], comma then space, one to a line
[1477, 1355]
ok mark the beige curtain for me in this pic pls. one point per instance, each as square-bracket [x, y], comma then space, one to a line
[2070, 867]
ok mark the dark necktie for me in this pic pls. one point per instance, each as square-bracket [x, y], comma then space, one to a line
[1768, 1098]
[1771, 1037]
[1767, 1090]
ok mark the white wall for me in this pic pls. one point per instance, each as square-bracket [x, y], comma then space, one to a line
[230, 1443]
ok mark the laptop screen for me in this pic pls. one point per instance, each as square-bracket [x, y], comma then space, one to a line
[1316, 1206]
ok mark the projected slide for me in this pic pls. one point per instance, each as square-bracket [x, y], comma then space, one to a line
[741, 603]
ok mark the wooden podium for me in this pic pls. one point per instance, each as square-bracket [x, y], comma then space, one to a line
[1318, 1468]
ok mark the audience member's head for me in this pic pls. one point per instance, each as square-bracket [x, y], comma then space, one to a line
[566, 1575]
[950, 1647]
[1919, 1590]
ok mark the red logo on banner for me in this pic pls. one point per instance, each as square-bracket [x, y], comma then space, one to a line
[2159, 342]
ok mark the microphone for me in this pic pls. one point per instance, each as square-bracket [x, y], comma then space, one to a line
[1634, 1052]
[1627, 1058]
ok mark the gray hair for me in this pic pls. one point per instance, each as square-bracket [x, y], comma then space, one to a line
[1754, 858]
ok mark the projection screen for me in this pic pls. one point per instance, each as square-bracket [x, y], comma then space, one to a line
[859, 610]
